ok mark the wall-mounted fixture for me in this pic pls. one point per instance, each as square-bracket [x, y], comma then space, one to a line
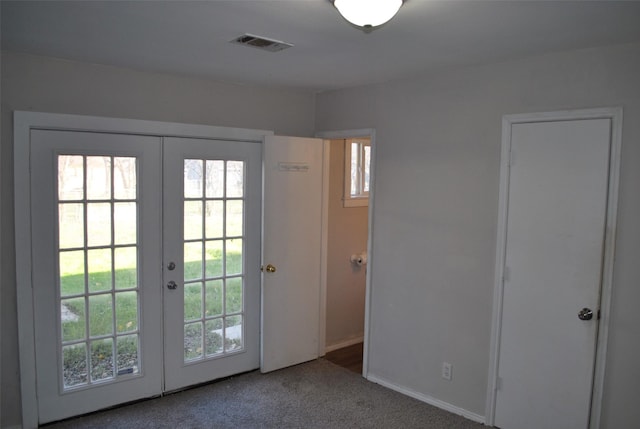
[367, 14]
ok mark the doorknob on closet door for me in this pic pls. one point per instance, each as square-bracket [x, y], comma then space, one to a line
[585, 314]
[269, 268]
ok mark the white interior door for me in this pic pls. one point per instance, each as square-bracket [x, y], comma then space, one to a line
[104, 209]
[555, 234]
[292, 250]
[95, 270]
[211, 259]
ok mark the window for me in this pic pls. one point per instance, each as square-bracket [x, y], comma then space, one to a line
[356, 172]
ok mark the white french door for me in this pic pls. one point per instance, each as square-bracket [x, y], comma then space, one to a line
[145, 258]
[211, 261]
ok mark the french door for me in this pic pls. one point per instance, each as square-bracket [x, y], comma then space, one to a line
[145, 265]
[211, 259]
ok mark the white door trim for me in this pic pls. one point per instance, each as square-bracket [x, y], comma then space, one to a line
[23, 123]
[346, 134]
[615, 115]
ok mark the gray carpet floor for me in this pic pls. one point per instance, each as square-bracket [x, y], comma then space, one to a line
[317, 394]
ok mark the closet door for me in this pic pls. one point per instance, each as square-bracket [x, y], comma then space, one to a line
[557, 209]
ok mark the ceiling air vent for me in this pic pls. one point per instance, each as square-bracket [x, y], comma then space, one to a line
[260, 42]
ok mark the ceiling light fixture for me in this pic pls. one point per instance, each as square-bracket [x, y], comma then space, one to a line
[367, 14]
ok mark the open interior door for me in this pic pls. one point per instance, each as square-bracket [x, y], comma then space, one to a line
[292, 250]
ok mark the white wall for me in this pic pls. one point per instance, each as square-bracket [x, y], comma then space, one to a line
[435, 214]
[348, 231]
[50, 85]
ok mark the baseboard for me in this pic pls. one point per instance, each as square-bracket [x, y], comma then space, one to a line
[345, 343]
[428, 399]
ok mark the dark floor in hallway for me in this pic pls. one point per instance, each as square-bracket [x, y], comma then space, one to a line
[348, 357]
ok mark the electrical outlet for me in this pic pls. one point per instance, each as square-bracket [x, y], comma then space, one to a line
[447, 371]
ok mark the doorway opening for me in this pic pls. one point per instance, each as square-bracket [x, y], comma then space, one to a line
[347, 258]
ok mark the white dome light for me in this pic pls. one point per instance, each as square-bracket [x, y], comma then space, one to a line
[367, 13]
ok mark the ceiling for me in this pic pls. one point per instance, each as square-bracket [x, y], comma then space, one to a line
[191, 38]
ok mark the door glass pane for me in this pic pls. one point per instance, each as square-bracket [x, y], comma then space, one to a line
[213, 312]
[99, 267]
[193, 261]
[127, 354]
[193, 220]
[101, 359]
[215, 179]
[233, 333]
[193, 179]
[73, 320]
[233, 295]
[98, 172]
[98, 224]
[235, 179]
[125, 265]
[233, 256]
[214, 258]
[124, 222]
[124, 178]
[214, 219]
[126, 311]
[213, 298]
[234, 218]
[100, 335]
[192, 301]
[71, 215]
[71, 272]
[100, 315]
[214, 336]
[192, 341]
[74, 365]
[70, 177]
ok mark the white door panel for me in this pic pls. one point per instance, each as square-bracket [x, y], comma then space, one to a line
[555, 233]
[292, 228]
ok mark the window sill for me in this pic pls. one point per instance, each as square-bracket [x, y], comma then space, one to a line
[355, 202]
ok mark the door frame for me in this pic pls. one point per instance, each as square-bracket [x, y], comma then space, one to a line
[347, 134]
[23, 123]
[615, 115]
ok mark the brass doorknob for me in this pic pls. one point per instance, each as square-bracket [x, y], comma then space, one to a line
[269, 268]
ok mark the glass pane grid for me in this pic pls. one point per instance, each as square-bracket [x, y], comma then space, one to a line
[99, 302]
[213, 258]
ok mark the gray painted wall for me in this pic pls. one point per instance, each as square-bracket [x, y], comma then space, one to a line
[348, 230]
[57, 86]
[435, 220]
[435, 215]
